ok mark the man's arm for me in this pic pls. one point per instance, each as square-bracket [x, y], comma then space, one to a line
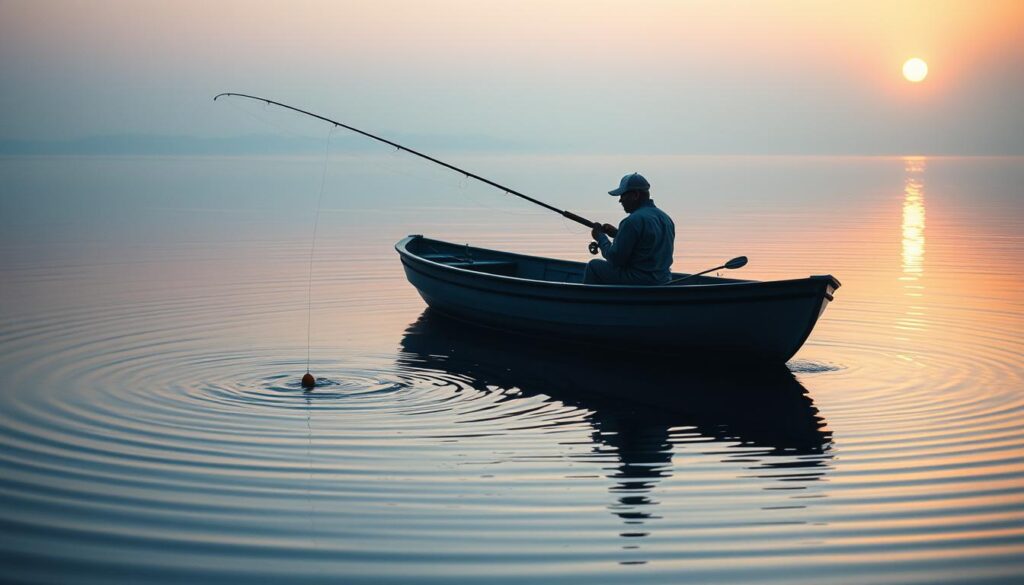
[619, 251]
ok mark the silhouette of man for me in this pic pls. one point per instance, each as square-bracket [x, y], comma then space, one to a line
[642, 250]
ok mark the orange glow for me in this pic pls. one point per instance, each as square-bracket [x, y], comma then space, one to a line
[815, 34]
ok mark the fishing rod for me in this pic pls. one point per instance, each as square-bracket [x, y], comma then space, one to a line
[608, 229]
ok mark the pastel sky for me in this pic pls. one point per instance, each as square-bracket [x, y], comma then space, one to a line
[811, 77]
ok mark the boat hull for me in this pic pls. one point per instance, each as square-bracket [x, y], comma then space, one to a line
[767, 321]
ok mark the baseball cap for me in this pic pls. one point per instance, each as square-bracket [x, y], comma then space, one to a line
[631, 182]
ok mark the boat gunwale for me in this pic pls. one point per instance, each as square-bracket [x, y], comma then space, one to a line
[740, 286]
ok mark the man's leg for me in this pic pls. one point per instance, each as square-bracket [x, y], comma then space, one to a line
[603, 272]
[599, 272]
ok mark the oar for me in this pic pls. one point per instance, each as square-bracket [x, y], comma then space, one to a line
[737, 262]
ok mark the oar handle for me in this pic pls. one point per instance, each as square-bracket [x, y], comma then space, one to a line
[610, 230]
[682, 278]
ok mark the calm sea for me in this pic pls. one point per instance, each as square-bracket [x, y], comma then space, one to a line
[153, 329]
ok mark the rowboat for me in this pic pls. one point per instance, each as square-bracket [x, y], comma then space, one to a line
[703, 316]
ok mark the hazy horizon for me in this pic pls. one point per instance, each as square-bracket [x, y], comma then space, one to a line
[566, 77]
[270, 145]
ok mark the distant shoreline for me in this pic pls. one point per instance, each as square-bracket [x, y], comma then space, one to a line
[253, 144]
[482, 154]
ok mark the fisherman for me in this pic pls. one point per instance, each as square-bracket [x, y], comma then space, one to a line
[642, 250]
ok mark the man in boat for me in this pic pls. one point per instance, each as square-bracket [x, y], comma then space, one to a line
[642, 250]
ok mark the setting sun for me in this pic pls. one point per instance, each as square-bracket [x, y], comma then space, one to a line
[915, 70]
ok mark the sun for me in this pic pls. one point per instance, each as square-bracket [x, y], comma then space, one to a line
[915, 70]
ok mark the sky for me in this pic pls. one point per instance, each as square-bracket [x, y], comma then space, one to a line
[560, 76]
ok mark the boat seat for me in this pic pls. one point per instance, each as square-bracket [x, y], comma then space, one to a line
[502, 267]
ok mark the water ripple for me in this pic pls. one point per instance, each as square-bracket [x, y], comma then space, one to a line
[153, 427]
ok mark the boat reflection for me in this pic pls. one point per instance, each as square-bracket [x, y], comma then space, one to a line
[642, 412]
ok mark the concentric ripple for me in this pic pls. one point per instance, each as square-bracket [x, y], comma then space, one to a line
[140, 451]
[153, 427]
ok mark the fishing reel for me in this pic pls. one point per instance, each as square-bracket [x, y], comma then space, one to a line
[593, 248]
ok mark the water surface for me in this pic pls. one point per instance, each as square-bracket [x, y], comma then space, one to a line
[153, 328]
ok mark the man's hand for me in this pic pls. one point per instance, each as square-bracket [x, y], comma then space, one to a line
[607, 228]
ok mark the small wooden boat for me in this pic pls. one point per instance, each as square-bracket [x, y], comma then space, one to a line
[703, 316]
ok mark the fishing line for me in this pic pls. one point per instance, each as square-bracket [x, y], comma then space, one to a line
[309, 482]
[312, 251]
[572, 227]
[308, 381]
[262, 116]
[567, 214]
[484, 199]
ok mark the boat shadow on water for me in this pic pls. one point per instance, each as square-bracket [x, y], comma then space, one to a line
[644, 410]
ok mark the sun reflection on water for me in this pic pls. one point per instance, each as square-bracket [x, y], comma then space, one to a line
[913, 244]
[913, 224]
